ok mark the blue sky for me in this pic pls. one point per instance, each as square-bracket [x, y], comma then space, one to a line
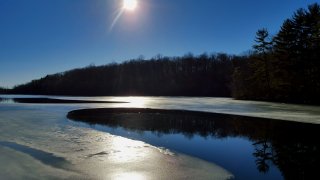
[39, 37]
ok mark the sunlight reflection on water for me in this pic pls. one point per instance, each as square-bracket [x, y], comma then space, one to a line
[126, 150]
[137, 101]
[133, 101]
[131, 175]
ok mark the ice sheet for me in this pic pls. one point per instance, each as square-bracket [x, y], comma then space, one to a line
[37, 143]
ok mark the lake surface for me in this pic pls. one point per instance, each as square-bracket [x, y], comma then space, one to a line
[39, 141]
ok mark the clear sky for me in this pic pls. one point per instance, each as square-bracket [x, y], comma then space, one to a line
[39, 37]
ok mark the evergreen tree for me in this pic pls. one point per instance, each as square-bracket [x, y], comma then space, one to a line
[286, 68]
[261, 64]
[297, 52]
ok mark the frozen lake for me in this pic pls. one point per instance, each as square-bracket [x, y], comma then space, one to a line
[38, 141]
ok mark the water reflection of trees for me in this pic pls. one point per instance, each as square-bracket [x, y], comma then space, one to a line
[292, 146]
[264, 155]
[4, 99]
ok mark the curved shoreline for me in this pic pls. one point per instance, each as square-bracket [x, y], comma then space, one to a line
[192, 122]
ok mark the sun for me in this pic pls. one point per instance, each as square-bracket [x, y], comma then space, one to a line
[130, 5]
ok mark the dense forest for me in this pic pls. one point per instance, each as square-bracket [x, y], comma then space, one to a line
[3, 90]
[284, 67]
[180, 76]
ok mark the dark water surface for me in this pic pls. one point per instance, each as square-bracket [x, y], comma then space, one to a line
[250, 148]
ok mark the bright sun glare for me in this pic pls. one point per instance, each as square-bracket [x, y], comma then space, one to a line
[130, 4]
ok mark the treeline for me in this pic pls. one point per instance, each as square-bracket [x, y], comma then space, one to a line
[285, 67]
[189, 75]
[3, 90]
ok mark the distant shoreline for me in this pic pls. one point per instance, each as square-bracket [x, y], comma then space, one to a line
[55, 101]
